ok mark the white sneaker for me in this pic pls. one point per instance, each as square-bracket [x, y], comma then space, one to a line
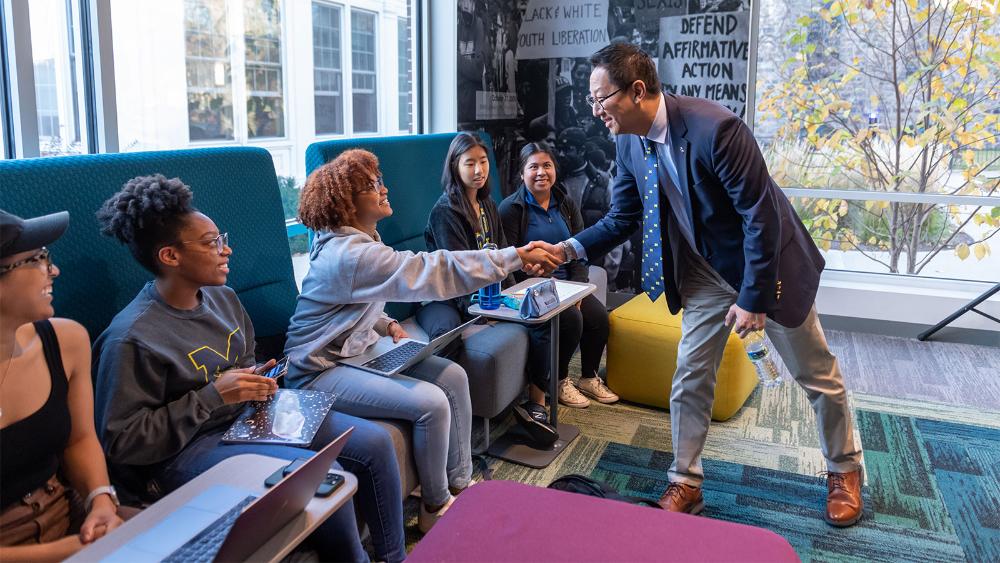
[570, 396]
[594, 388]
[426, 520]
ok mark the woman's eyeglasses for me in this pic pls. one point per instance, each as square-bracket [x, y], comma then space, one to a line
[43, 255]
[375, 185]
[220, 242]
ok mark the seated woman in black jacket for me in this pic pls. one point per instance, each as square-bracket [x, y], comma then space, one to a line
[464, 218]
[541, 210]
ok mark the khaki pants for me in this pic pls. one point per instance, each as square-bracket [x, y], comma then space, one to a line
[706, 299]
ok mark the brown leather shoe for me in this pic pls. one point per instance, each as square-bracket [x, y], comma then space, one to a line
[843, 500]
[682, 498]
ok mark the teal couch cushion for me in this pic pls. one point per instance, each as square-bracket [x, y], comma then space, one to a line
[411, 167]
[236, 187]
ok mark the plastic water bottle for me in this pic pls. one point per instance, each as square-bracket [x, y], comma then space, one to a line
[489, 296]
[755, 344]
[288, 419]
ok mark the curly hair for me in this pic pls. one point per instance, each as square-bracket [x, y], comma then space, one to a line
[327, 200]
[146, 215]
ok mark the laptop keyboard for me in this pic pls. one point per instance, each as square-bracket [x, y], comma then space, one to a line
[206, 544]
[395, 357]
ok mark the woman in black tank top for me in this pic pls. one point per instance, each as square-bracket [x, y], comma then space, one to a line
[46, 406]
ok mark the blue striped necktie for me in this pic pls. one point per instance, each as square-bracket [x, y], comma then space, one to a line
[652, 255]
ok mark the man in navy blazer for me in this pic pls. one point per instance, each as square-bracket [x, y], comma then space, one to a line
[724, 244]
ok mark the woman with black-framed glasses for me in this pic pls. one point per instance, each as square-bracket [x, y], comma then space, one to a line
[177, 365]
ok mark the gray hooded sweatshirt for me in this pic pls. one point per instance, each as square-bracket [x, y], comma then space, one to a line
[352, 275]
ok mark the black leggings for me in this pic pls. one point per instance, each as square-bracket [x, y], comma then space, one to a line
[586, 327]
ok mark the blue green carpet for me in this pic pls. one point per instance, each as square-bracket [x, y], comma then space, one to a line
[932, 493]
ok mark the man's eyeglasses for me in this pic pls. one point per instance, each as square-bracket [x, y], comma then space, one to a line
[600, 101]
[375, 185]
[42, 256]
[220, 242]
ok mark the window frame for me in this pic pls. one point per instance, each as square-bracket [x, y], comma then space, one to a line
[378, 79]
[283, 48]
[236, 35]
[344, 63]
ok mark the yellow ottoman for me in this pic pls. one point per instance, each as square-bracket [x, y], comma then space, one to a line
[642, 357]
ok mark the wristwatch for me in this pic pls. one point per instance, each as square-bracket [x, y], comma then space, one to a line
[569, 250]
[105, 490]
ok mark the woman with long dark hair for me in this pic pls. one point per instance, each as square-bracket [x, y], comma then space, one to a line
[465, 217]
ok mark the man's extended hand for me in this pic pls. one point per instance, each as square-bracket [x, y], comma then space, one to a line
[555, 250]
[537, 260]
[745, 321]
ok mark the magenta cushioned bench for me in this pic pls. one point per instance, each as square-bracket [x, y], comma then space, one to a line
[508, 521]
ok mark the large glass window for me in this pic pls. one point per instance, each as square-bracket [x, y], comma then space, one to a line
[228, 72]
[405, 74]
[209, 70]
[58, 100]
[892, 109]
[265, 98]
[328, 76]
[363, 79]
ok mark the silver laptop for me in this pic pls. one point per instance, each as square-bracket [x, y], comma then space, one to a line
[226, 523]
[388, 358]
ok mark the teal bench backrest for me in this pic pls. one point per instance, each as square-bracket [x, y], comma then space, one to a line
[236, 187]
[411, 166]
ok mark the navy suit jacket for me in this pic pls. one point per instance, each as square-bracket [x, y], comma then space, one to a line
[744, 226]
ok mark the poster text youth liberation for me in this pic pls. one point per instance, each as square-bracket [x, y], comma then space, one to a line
[562, 28]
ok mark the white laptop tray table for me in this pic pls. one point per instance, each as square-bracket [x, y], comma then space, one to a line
[514, 445]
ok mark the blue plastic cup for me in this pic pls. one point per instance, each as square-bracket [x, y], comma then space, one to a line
[489, 296]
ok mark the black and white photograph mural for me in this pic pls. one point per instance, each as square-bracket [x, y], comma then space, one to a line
[523, 76]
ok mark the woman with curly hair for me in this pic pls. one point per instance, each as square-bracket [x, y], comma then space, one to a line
[162, 405]
[340, 314]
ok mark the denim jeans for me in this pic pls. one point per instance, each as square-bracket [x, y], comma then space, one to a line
[368, 454]
[433, 396]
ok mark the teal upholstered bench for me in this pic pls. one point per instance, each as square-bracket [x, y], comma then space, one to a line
[495, 354]
[236, 187]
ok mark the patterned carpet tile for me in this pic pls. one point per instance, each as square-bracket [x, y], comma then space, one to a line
[776, 428]
[786, 503]
[974, 416]
[906, 368]
[932, 470]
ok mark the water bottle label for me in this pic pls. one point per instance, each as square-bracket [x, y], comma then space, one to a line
[757, 354]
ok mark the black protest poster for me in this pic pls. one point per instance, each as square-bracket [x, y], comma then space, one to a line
[523, 76]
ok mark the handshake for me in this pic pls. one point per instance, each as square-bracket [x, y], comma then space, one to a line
[541, 258]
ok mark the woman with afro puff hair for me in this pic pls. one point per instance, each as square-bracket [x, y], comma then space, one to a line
[340, 313]
[164, 398]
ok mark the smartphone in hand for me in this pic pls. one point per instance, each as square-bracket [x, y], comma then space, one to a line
[279, 369]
